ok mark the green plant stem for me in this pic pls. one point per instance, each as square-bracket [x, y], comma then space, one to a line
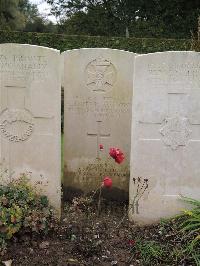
[123, 218]
[131, 205]
[99, 202]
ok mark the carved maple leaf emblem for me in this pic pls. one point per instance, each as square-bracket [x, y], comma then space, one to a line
[175, 131]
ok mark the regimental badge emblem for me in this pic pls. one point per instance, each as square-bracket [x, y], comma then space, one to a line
[100, 75]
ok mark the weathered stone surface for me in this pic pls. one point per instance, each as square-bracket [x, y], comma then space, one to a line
[98, 93]
[30, 80]
[165, 148]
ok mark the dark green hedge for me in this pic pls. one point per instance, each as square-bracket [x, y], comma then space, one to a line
[68, 42]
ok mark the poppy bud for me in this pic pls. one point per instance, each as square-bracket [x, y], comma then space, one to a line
[107, 182]
[101, 147]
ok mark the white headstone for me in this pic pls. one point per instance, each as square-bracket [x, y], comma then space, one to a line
[98, 93]
[165, 152]
[30, 81]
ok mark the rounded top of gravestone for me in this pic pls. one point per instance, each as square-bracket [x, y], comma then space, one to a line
[168, 53]
[19, 45]
[97, 49]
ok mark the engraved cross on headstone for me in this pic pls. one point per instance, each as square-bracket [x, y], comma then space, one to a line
[98, 136]
[175, 129]
[17, 123]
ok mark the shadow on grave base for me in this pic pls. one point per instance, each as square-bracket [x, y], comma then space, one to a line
[113, 194]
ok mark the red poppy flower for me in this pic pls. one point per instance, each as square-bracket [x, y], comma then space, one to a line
[117, 155]
[107, 182]
[101, 147]
[131, 242]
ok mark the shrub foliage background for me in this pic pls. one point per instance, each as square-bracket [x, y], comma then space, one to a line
[22, 208]
[68, 42]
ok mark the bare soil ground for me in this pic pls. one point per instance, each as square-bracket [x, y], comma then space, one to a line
[85, 238]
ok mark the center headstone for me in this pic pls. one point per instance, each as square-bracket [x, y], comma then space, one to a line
[165, 148]
[98, 93]
[30, 83]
